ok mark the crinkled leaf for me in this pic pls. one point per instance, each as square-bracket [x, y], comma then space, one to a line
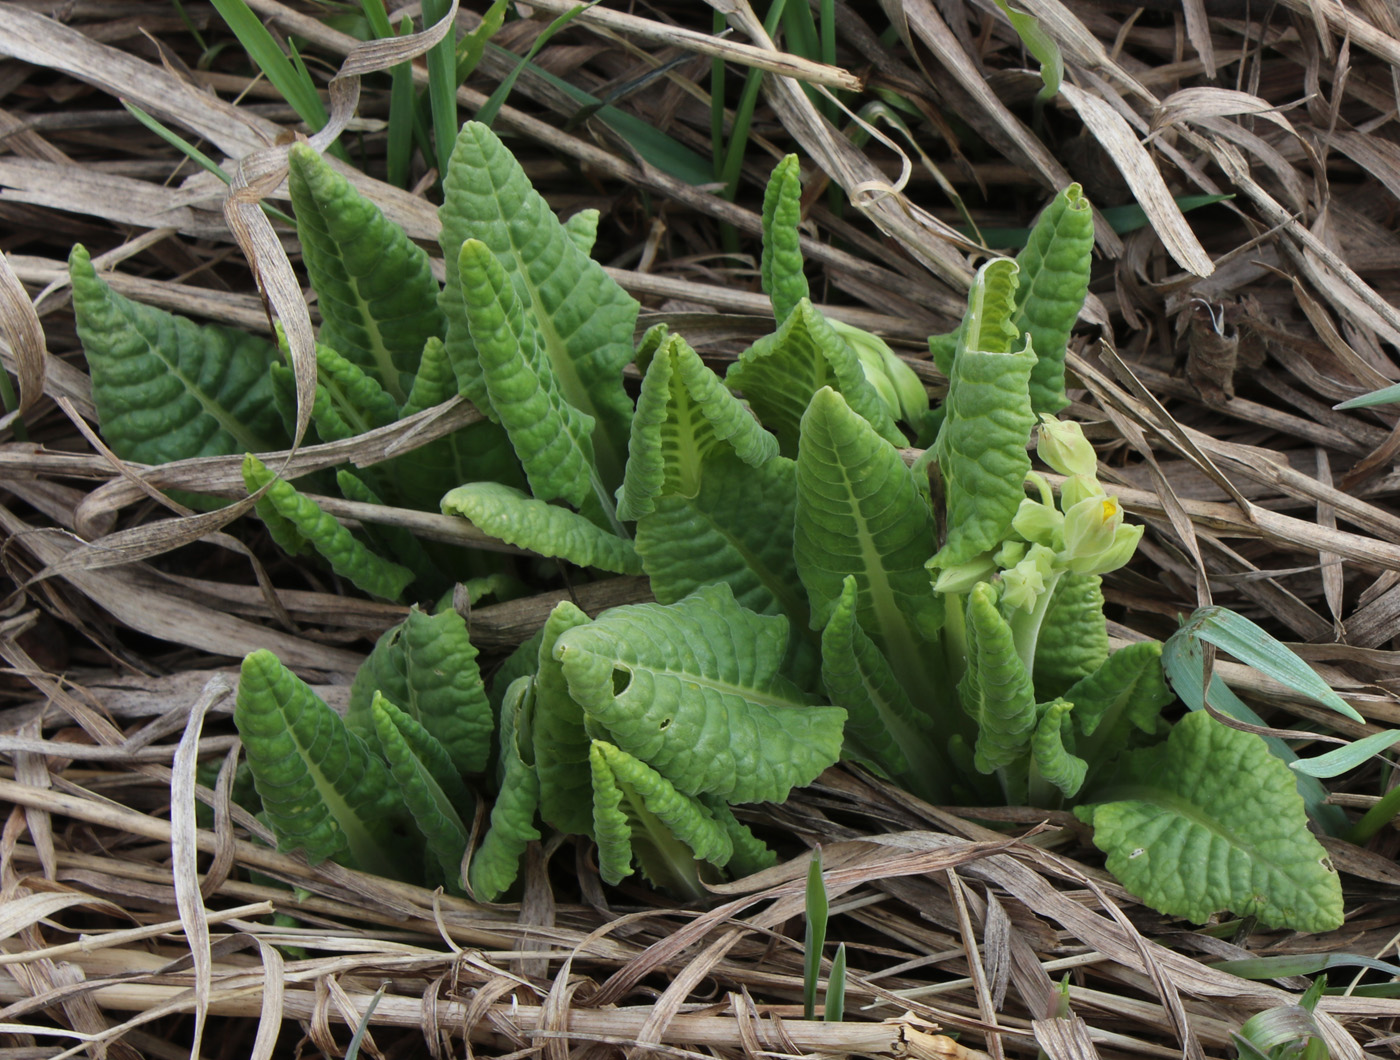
[558, 737]
[165, 388]
[882, 726]
[349, 401]
[322, 790]
[582, 319]
[987, 423]
[386, 539]
[496, 863]
[1054, 280]
[638, 812]
[552, 438]
[547, 529]
[779, 374]
[684, 413]
[693, 690]
[374, 288]
[1051, 758]
[859, 513]
[1128, 685]
[751, 854]
[479, 451]
[1073, 640]
[780, 268]
[428, 783]
[996, 689]
[337, 546]
[1210, 820]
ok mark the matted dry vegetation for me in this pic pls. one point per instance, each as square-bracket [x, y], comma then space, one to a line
[1211, 355]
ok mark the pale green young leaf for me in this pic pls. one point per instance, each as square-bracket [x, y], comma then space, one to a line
[552, 438]
[584, 321]
[165, 388]
[546, 529]
[496, 863]
[322, 790]
[375, 291]
[558, 737]
[995, 690]
[1054, 280]
[1041, 45]
[780, 268]
[1209, 821]
[283, 531]
[859, 513]
[1073, 640]
[693, 690]
[652, 340]
[337, 546]
[428, 784]
[385, 670]
[684, 413]
[582, 230]
[1050, 757]
[883, 726]
[779, 374]
[638, 813]
[988, 421]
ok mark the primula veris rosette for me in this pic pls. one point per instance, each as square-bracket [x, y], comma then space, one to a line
[896, 383]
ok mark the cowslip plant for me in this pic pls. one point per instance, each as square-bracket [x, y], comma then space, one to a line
[817, 597]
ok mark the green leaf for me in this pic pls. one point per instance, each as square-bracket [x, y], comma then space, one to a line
[1211, 820]
[1073, 640]
[982, 446]
[859, 513]
[1050, 757]
[779, 374]
[780, 268]
[1183, 660]
[337, 546]
[295, 85]
[883, 726]
[349, 401]
[322, 790]
[1041, 45]
[496, 863]
[1129, 684]
[386, 539]
[1054, 280]
[488, 111]
[996, 689]
[165, 388]
[1253, 646]
[376, 293]
[751, 854]
[638, 812]
[583, 320]
[552, 438]
[1385, 396]
[428, 783]
[559, 740]
[519, 519]
[582, 230]
[478, 451]
[693, 690]
[684, 413]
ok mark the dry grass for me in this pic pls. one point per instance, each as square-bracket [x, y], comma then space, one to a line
[1221, 346]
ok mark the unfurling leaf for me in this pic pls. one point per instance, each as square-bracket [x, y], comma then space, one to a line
[996, 689]
[496, 863]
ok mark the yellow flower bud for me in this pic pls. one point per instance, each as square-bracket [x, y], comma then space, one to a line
[1062, 445]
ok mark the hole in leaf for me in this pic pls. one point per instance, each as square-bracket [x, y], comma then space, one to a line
[665, 724]
[621, 679]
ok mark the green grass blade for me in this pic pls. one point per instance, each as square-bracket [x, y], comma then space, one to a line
[817, 910]
[353, 1052]
[194, 154]
[473, 45]
[487, 114]
[377, 17]
[1335, 763]
[442, 85]
[1301, 964]
[1385, 396]
[743, 114]
[402, 103]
